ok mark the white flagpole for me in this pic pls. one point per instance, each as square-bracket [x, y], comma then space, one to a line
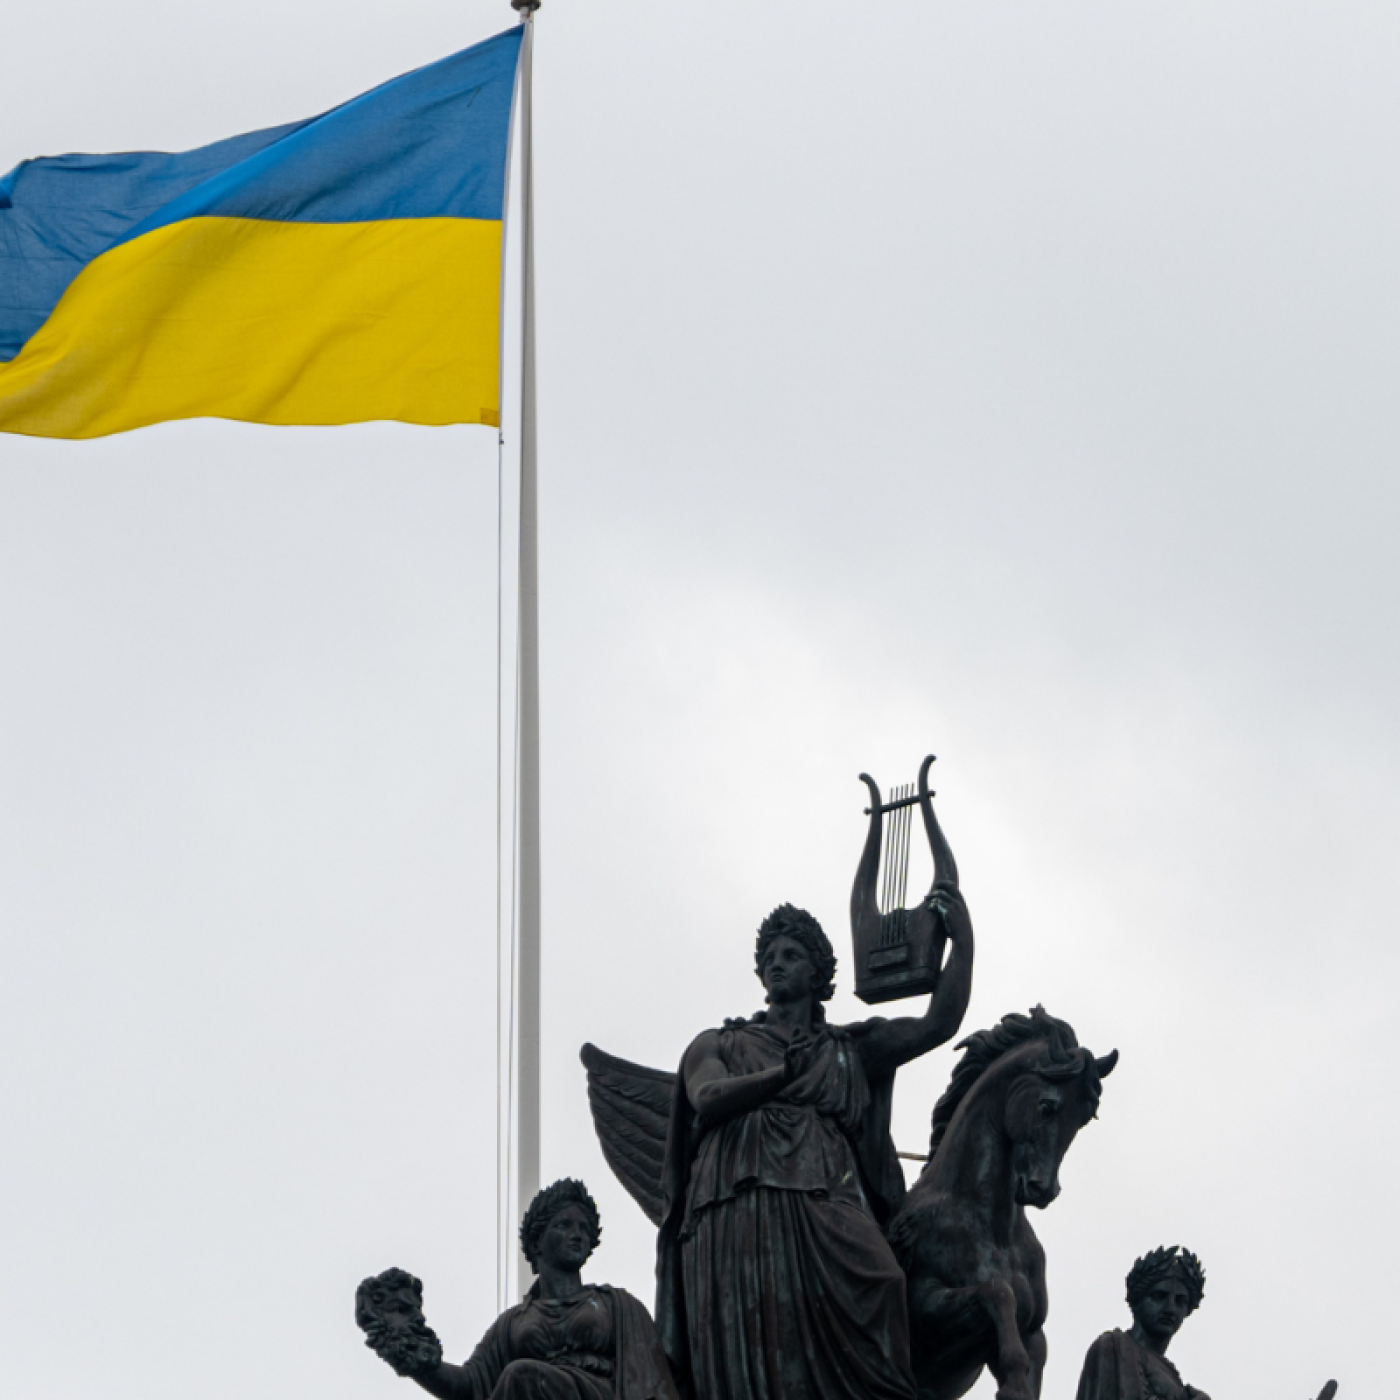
[527, 1016]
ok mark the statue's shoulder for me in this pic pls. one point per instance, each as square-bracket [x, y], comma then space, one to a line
[743, 1023]
[704, 1043]
[734, 1026]
[1102, 1376]
[621, 1298]
[1111, 1341]
[708, 1045]
[740, 1045]
[854, 1030]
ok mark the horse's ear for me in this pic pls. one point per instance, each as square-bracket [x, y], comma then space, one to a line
[1105, 1063]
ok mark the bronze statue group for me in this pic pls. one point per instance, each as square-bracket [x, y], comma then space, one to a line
[791, 1262]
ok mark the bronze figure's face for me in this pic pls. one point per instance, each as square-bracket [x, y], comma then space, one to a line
[567, 1240]
[789, 924]
[565, 1198]
[788, 974]
[1165, 1287]
[1163, 1308]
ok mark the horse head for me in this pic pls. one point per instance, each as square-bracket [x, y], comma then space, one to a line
[1044, 1108]
[1032, 1074]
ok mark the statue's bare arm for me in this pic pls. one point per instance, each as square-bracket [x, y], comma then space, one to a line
[885, 1045]
[449, 1382]
[715, 1094]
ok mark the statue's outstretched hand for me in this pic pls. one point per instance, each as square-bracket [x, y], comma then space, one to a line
[410, 1355]
[1327, 1391]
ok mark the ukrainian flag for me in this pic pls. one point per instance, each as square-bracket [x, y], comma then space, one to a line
[335, 270]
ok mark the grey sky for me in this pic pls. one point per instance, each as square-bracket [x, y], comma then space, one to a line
[1014, 381]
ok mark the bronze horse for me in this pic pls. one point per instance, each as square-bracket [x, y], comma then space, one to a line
[976, 1272]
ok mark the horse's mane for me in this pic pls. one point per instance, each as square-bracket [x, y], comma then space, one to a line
[983, 1048]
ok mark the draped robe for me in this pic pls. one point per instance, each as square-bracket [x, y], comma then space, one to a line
[774, 1279]
[1118, 1367]
[598, 1345]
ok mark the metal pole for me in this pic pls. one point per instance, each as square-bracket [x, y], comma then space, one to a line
[527, 1018]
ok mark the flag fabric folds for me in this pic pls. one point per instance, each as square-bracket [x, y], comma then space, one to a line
[336, 270]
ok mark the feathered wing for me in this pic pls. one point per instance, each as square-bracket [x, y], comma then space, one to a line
[631, 1107]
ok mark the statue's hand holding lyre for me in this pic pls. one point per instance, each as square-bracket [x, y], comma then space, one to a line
[946, 900]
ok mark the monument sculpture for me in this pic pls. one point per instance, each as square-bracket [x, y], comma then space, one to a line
[567, 1341]
[791, 1262]
[1165, 1287]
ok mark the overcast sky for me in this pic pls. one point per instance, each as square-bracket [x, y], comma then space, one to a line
[1011, 381]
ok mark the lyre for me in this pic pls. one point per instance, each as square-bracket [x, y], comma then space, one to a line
[898, 951]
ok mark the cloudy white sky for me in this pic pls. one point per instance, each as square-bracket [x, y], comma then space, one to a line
[1012, 381]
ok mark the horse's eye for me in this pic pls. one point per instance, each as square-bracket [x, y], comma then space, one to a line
[1048, 1108]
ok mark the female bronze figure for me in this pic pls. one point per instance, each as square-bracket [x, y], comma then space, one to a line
[1165, 1287]
[567, 1341]
[774, 1279]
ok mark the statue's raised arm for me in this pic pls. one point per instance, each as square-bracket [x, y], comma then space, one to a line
[886, 1044]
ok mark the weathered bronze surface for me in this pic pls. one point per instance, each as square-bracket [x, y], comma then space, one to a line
[567, 1341]
[768, 1164]
[976, 1271]
[791, 1262]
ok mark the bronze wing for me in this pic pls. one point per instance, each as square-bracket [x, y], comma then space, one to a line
[631, 1107]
